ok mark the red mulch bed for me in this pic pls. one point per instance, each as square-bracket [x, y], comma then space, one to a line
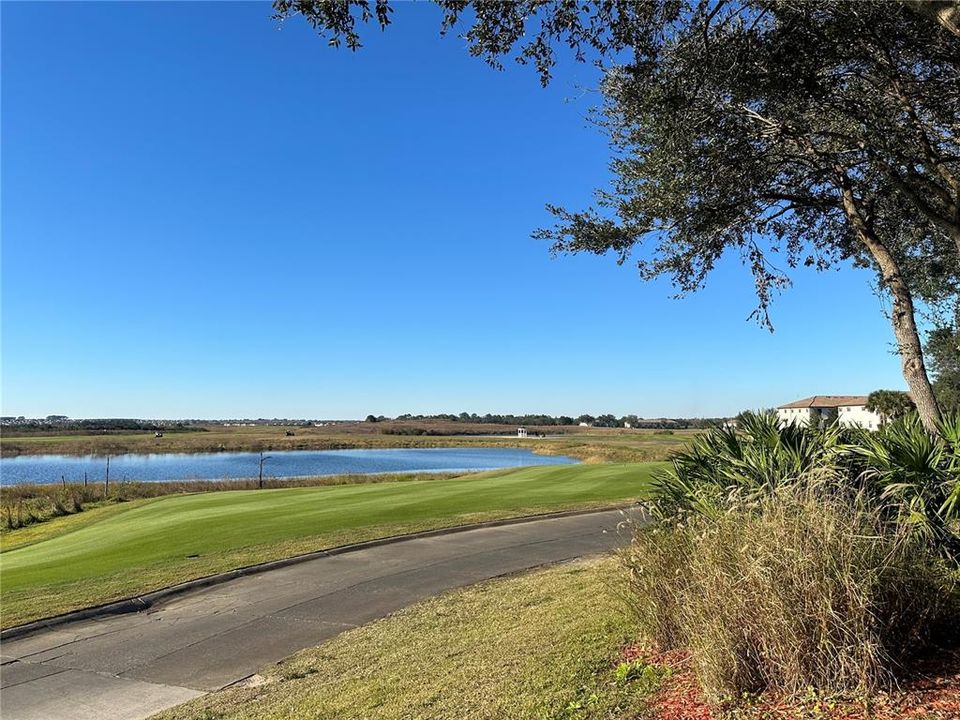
[932, 694]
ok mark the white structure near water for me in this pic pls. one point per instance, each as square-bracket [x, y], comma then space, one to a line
[847, 410]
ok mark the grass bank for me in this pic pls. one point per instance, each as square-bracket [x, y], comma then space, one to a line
[31, 503]
[155, 543]
[540, 645]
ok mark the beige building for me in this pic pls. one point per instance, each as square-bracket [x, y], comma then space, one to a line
[847, 410]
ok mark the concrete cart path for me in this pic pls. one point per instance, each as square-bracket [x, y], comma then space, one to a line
[126, 667]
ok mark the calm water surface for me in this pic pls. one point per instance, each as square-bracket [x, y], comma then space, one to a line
[281, 464]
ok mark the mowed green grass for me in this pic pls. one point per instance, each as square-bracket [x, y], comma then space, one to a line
[540, 646]
[172, 539]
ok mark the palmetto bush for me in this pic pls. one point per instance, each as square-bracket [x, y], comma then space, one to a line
[791, 557]
[914, 477]
[729, 467]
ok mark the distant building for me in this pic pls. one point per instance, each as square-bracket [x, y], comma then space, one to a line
[521, 432]
[847, 410]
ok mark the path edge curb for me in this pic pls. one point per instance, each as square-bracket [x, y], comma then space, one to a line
[143, 602]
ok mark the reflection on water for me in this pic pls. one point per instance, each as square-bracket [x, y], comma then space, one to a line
[280, 464]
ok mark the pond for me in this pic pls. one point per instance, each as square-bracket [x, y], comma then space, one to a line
[279, 464]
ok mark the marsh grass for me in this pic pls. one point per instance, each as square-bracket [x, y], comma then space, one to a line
[588, 444]
[803, 590]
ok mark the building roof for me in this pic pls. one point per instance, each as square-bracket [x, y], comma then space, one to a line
[827, 401]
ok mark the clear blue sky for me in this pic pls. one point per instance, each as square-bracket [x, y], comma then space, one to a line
[205, 215]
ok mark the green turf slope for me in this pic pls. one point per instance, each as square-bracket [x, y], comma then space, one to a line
[182, 537]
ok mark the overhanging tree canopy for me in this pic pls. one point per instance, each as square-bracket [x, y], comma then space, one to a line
[788, 131]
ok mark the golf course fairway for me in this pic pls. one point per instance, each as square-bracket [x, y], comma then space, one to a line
[160, 542]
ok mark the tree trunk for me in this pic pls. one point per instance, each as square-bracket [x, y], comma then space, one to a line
[902, 315]
[911, 351]
[945, 12]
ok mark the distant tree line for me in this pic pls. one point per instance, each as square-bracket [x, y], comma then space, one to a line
[606, 420]
[104, 425]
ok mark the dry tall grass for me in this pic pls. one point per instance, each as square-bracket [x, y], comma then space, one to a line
[803, 590]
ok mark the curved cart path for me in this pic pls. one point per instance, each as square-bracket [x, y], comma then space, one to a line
[127, 667]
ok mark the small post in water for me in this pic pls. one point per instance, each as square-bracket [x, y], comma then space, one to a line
[262, 460]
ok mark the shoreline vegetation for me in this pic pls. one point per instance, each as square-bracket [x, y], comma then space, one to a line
[587, 444]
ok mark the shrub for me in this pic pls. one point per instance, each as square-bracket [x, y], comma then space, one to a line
[805, 590]
[914, 475]
[58, 503]
[728, 466]
[405, 430]
[791, 557]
